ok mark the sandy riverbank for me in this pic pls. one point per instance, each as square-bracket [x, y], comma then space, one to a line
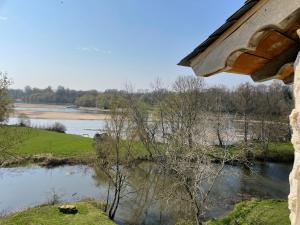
[33, 111]
[60, 115]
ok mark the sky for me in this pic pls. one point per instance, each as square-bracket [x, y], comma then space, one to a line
[104, 44]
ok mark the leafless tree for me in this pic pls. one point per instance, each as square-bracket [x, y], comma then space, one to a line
[183, 107]
[114, 153]
[195, 173]
[221, 119]
[187, 152]
[270, 118]
[192, 166]
[160, 93]
[145, 127]
[244, 102]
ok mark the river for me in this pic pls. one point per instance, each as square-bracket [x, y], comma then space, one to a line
[75, 120]
[30, 186]
[86, 128]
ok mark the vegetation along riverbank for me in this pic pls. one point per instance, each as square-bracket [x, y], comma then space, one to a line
[88, 213]
[258, 212]
[253, 212]
[49, 148]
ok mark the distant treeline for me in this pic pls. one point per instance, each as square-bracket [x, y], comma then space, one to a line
[274, 100]
[62, 95]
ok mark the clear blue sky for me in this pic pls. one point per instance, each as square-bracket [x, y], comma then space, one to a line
[100, 44]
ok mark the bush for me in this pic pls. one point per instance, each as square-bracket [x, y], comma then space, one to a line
[57, 127]
[23, 120]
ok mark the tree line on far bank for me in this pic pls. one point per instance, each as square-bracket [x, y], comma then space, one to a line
[272, 101]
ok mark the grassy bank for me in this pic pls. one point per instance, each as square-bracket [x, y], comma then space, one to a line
[47, 148]
[277, 152]
[38, 146]
[40, 141]
[256, 212]
[88, 213]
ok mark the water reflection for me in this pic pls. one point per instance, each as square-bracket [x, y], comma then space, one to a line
[148, 205]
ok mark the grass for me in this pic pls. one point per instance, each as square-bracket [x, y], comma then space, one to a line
[277, 151]
[257, 212]
[40, 142]
[88, 213]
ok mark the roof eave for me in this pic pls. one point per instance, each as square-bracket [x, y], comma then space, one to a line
[186, 61]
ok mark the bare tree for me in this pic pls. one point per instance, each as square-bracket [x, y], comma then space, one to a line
[189, 157]
[270, 107]
[195, 173]
[160, 93]
[184, 106]
[145, 126]
[114, 154]
[187, 152]
[221, 118]
[244, 102]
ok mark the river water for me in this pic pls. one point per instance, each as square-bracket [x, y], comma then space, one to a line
[30, 186]
[87, 128]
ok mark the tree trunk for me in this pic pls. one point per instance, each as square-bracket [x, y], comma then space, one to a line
[198, 222]
[246, 128]
[264, 140]
[190, 139]
[219, 135]
[110, 212]
[294, 196]
[117, 204]
[107, 198]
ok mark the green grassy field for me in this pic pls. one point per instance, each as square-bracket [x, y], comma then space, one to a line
[38, 141]
[88, 214]
[257, 212]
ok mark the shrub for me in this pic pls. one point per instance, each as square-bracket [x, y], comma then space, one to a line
[23, 120]
[57, 127]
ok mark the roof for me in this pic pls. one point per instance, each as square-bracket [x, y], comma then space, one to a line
[214, 36]
[259, 40]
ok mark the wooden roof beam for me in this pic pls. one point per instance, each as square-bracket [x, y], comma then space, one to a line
[272, 69]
